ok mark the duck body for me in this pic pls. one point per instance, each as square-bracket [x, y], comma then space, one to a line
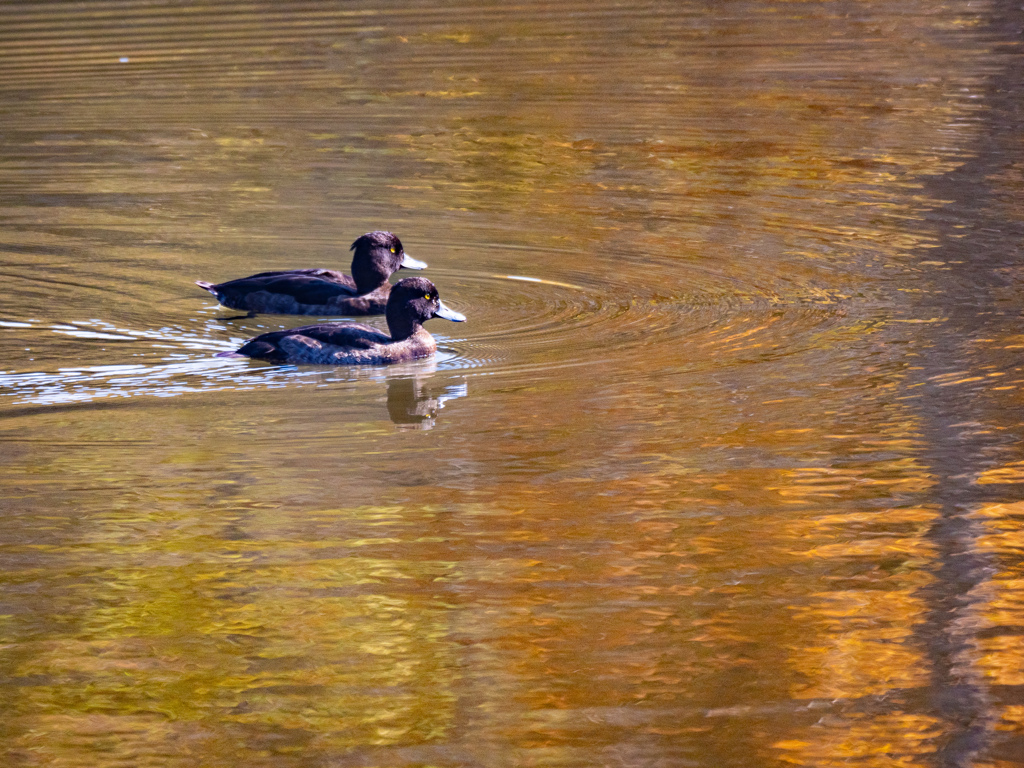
[412, 301]
[299, 292]
[337, 344]
[377, 255]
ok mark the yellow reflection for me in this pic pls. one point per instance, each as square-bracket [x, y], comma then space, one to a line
[1011, 473]
[310, 646]
[862, 644]
[880, 741]
[1003, 605]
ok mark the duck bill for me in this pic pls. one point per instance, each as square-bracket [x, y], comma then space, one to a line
[449, 314]
[408, 262]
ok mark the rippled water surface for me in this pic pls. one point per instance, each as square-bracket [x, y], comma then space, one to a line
[724, 469]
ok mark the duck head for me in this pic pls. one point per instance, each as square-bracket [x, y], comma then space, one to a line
[376, 256]
[412, 302]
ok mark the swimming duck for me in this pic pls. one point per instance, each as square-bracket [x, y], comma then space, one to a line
[413, 301]
[323, 291]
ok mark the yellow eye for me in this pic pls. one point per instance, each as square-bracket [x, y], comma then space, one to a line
[392, 250]
[427, 297]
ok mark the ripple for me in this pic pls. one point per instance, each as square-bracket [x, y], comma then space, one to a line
[169, 362]
[520, 322]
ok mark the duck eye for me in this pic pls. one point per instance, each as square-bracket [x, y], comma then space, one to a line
[392, 249]
[427, 297]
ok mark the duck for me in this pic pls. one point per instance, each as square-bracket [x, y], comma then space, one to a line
[377, 255]
[413, 301]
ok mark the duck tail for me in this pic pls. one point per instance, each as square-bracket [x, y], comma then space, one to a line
[229, 354]
[207, 286]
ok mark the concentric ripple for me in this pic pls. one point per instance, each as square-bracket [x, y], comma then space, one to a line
[518, 324]
[521, 322]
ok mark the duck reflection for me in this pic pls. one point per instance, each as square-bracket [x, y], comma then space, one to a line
[413, 403]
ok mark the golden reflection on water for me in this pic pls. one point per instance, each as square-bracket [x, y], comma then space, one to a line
[721, 470]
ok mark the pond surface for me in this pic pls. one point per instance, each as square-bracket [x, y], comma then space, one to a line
[724, 469]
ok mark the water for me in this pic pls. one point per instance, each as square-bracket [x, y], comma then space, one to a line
[724, 468]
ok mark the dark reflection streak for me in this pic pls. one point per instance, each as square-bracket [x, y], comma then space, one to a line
[412, 405]
[18, 411]
[957, 453]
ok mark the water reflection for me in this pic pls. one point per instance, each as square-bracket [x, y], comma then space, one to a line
[740, 477]
[413, 403]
